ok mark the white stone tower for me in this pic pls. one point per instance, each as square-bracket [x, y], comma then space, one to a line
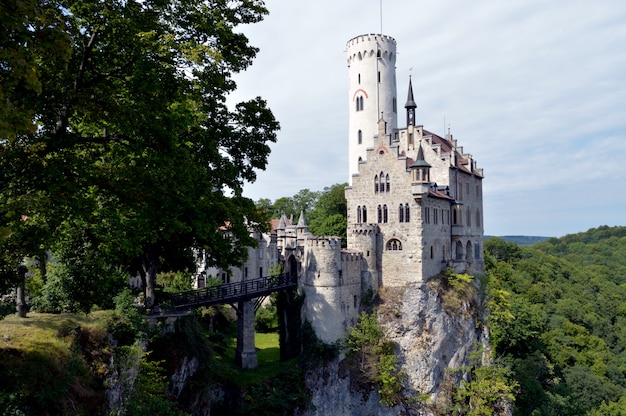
[371, 92]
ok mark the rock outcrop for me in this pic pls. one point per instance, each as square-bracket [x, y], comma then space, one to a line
[434, 337]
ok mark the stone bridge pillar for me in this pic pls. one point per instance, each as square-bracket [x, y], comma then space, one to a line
[245, 355]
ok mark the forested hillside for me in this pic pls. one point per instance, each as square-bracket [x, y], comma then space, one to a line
[558, 319]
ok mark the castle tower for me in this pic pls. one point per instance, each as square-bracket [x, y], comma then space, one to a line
[371, 93]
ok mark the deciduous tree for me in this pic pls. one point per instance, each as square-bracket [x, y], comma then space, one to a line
[132, 132]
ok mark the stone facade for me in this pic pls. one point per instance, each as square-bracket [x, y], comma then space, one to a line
[414, 205]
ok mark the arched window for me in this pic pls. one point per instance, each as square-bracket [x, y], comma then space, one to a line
[359, 103]
[385, 215]
[407, 216]
[380, 214]
[394, 245]
[358, 214]
[469, 217]
[456, 218]
[459, 250]
[468, 251]
[401, 213]
[381, 180]
[376, 184]
[364, 213]
[387, 182]
[360, 137]
[478, 218]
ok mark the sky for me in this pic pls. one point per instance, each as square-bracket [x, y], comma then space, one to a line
[535, 90]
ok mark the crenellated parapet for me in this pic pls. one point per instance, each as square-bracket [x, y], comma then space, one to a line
[364, 229]
[368, 47]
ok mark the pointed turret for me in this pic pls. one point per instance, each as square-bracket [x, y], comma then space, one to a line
[301, 221]
[410, 106]
[421, 174]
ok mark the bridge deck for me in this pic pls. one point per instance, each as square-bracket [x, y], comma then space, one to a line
[232, 292]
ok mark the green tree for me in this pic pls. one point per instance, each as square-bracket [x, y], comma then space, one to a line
[329, 218]
[134, 140]
[374, 356]
[488, 390]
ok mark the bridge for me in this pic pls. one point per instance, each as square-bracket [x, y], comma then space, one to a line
[232, 292]
[240, 296]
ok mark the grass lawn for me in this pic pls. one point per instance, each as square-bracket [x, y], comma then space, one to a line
[38, 331]
[268, 357]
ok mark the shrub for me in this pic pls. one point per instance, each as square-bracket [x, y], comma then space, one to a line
[374, 355]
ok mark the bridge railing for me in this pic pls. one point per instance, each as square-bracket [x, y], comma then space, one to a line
[232, 292]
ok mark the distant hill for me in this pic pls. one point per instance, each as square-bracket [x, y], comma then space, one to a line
[522, 240]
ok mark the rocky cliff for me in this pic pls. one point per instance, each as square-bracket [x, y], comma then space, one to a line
[434, 328]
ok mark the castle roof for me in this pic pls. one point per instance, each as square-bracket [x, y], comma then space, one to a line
[462, 162]
[279, 223]
[438, 194]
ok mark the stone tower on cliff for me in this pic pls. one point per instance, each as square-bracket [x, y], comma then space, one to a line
[415, 198]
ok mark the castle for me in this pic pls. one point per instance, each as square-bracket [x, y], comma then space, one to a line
[414, 205]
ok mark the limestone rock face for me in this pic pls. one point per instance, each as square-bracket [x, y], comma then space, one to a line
[432, 339]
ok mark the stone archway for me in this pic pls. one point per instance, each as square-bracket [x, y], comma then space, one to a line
[291, 266]
[468, 251]
[459, 251]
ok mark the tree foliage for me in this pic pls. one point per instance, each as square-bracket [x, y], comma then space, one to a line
[487, 391]
[558, 310]
[325, 211]
[375, 357]
[116, 124]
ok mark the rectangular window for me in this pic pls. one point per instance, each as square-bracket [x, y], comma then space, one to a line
[378, 76]
[426, 215]
[436, 213]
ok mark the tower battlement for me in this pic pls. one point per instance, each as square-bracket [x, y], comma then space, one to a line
[321, 242]
[364, 229]
[367, 46]
[350, 256]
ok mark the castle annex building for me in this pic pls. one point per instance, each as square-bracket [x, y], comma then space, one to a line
[414, 204]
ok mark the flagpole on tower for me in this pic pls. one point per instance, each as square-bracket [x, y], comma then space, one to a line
[381, 17]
